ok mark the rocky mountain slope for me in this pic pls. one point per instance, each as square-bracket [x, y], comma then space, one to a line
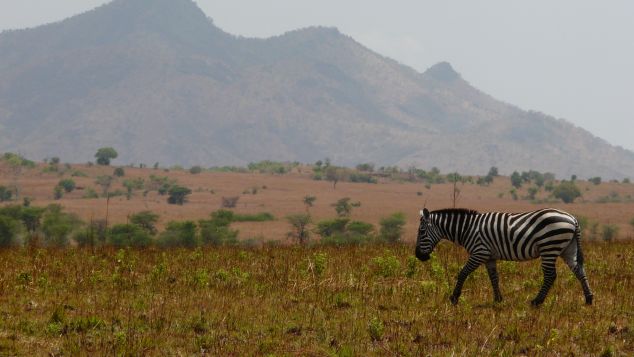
[159, 82]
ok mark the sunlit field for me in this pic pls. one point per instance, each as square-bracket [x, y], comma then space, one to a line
[319, 301]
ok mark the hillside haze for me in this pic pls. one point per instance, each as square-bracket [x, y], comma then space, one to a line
[159, 82]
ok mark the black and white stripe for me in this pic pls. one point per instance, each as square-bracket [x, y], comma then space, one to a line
[488, 237]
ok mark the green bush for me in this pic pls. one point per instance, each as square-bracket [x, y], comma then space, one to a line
[195, 170]
[610, 232]
[392, 227]
[128, 235]
[567, 191]
[146, 220]
[179, 234]
[216, 231]
[258, 217]
[332, 227]
[57, 226]
[67, 184]
[9, 229]
[118, 172]
[5, 194]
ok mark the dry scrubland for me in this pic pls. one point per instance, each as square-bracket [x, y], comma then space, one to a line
[282, 195]
[284, 301]
[289, 300]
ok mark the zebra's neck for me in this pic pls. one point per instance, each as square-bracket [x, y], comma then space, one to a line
[455, 224]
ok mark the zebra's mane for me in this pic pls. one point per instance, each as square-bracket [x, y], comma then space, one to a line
[461, 211]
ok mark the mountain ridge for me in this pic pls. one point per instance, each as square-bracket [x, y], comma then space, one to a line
[161, 82]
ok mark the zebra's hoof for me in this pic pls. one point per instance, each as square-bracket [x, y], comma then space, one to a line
[589, 299]
[536, 302]
[454, 299]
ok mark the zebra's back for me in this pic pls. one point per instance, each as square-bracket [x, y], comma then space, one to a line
[527, 235]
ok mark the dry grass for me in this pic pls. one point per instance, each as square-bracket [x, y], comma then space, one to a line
[288, 301]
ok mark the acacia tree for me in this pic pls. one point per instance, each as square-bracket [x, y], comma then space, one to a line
[299, 224]
[104, 155]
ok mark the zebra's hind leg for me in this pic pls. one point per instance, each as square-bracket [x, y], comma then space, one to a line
[574, 259]
[495, 281]
[550, 274]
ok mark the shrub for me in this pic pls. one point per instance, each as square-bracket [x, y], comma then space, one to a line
[118, 172]
[610, 232]
[567, 191]
[179, 234]
[386, 266]
[230, 202]
[67, 184]
[194, 170]
[178, 195]
[258, 217]
[392, 227]
[146, 220]
[5, 194]
[9, 229]
[57, 226]
[516, 179]
[58, 193]
[216, 231]
[128, 235]
[90, 193]
[595, 180]
[331, 227]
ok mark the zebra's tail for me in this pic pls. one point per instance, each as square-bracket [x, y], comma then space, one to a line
[578, 239]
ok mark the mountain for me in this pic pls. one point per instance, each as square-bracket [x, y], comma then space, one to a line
[157, 80]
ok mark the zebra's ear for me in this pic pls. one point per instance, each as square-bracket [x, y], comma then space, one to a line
[425, 213]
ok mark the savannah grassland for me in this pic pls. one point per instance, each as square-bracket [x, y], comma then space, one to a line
[284, 299]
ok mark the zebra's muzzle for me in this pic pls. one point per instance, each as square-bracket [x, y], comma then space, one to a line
[423, 257]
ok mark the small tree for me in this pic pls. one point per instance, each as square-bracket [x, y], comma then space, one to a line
[178, 195]
[119, 172]
[146, 220]
[299, 227]
[335, 174]
[67, 184]
[595, 180]
[105, 182]
[309, 201]
[392, 227]
[104, 155]
[567, 191]
[58, 193]
[493, 172]
[516, 179]
[343, 207]
[179, 234]
[195, 170]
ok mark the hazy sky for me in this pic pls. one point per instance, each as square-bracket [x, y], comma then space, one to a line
[572, 59]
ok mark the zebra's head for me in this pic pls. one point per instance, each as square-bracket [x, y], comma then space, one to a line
[428, 236]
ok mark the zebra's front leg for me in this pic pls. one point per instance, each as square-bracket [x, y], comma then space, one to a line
[495, 281]
[472, 264]
[550, 274]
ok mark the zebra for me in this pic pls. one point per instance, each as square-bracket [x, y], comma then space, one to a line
[488, 237]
